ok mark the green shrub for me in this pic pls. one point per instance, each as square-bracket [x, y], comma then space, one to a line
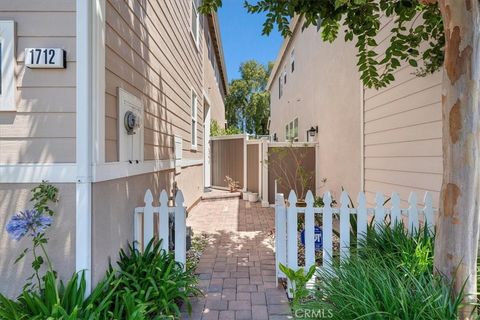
[151, 284]
[390, 277]
[148, 285]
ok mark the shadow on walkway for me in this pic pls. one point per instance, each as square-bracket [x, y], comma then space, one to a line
[237, 271]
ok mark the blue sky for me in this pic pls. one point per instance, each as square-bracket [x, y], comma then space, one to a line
[242, 37]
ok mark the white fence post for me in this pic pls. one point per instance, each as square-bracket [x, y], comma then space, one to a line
[379, 210]
[412, 213]
[180, 230]
[362, 218]
[395, 211]
[344, 226]
[148, 233]
[327, 230]
[292, 230]
[163, 221]
[280, 233]
[309, 231]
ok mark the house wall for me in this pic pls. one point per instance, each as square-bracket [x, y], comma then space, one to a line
[400, 124]
[323, 91]
[41, 130]
[213, 86]
[150, 52]
[114, 202]
[43, 127]
[403, 134]
[15, 197]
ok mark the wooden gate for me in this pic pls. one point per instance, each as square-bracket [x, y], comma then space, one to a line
[228, 159]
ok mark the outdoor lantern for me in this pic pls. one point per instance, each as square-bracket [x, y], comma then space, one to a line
[312, 132]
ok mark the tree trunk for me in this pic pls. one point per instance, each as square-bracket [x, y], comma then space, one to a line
[458, 221]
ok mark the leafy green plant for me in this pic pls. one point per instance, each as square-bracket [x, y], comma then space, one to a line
[151, 284]
[389, 277]
[216, 130]
[299, 279]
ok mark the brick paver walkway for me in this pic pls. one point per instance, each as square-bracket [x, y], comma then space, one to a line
[237, 272]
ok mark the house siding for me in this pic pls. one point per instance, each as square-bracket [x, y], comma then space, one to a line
[151, 53]
[403, 134]
[323, 91]
[42, 129]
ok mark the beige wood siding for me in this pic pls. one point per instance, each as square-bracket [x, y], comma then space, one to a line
[227, 160]
[43, 127]
[402, 126]
[150, 52]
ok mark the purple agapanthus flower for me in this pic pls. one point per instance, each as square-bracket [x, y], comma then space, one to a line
[28, 222]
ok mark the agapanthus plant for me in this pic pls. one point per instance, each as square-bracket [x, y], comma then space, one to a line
[34, 223]
[29, 222]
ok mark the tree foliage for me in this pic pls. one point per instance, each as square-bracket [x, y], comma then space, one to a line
[248, 101]
[413, 22]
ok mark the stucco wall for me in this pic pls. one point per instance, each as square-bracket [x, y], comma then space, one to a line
[114, 202]
[61, 245]
[43, 127]
[322, 91]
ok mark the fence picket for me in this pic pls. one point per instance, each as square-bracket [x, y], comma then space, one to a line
[327, 230]
[180, 229]
[395, 211]
[344, 226]
[361, 217]
[379, 210]
[292, 229]
[428, 211]
[286, 229]
[148, 233]
[163, 220]
[309, 231]
[412, 213]
[280, 233]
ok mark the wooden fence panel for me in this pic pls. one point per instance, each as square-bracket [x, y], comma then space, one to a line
[253, 167]
[227, 160]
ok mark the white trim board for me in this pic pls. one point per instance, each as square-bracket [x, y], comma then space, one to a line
[229, 137]
[35, 173]
[67, 172]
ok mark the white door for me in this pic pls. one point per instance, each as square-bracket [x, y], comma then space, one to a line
[206, 147]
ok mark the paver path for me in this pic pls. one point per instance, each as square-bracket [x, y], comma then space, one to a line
[237, 272]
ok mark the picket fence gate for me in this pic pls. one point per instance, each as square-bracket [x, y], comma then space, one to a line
[144, 223]
[286, 228]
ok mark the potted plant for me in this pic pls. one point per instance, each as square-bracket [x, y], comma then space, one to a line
[232, 184]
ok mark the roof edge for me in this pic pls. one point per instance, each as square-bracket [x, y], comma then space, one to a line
[281, 54]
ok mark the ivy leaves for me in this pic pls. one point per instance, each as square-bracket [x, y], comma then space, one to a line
[416, 31]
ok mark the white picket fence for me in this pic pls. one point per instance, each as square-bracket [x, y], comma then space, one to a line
[144, 223]
[286, 223]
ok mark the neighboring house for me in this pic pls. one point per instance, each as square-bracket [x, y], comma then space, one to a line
[372, 140]
[162, 61]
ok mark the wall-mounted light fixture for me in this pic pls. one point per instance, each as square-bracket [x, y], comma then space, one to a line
[312, 132]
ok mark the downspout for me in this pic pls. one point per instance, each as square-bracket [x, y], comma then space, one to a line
[83, 232]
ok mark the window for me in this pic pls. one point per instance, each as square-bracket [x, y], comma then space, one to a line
[291, 130]
[292, 60]
[285, 75]
[194, 119]
[195, 22]
[280, 87]
[7, 66]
